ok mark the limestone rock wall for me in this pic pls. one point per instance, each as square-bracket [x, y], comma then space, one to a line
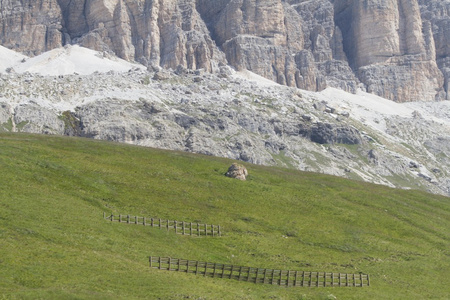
[30, 26]
[391, 48]
[398, 49]
[436, 17]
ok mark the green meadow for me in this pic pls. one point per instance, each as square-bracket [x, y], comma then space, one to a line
[55, 244]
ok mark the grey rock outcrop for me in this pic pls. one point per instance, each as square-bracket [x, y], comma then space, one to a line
[34, 118]
[5, 117]
[326, 133]
[396, 49]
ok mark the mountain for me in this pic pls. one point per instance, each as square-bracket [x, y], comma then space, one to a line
[221, 78]
[233, 114]
[397, 49]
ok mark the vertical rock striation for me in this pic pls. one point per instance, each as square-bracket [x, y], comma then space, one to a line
[436, 17]
[30, 26]
[398, 49]
[385, 43]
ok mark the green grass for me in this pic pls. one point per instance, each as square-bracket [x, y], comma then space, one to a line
[54, 243]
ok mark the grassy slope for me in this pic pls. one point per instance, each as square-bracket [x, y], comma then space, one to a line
[55, 244]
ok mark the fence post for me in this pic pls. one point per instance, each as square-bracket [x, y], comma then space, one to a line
[368, 280]
[136, 219]
[144, 221]
[206, 229]
[159, 223]
[174, 225]
[190, 232]
[288, 277]
[295, 278]
[212, 229]
[183, 228]
[112, 217]
[128, 219]
[167, 225]
[219, 231]
[150, 262]
[120, 218]
[198, 229]
[318, 275]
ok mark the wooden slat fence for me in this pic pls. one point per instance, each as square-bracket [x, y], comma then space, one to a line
[180, 227]
[258, 275]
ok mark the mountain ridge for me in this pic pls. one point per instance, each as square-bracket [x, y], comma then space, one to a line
[394, 49]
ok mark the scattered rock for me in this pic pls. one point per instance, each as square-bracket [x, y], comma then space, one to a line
[306, 117]
[320, 106]
[425, 176]
[162, 75]
[413, 164]
[225, 72]
[345, 114]
[373, 156]
[416, 115]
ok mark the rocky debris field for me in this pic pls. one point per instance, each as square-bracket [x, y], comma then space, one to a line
[242, 116]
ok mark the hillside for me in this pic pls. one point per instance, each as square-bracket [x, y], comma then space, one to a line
[54, 242]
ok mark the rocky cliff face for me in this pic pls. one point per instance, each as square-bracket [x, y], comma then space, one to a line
[398, 49]
[385, 42]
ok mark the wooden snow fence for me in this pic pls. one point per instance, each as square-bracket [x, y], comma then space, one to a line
[180, 227]
[286, 278]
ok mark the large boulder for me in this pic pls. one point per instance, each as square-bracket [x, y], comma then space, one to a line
[237, 171]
